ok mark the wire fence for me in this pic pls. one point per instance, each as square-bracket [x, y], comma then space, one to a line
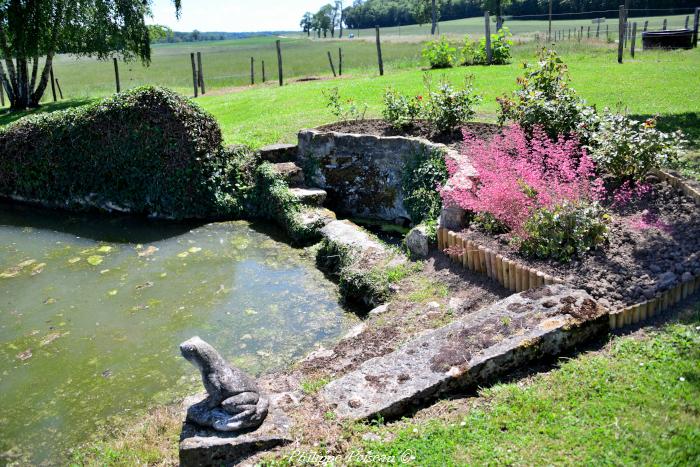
[236, 63]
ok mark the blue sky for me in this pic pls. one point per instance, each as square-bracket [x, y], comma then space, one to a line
[235, 15]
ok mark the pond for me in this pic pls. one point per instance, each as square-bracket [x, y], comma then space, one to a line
[92, 309]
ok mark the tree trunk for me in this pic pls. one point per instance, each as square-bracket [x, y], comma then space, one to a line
[434, 17]
[43, 82]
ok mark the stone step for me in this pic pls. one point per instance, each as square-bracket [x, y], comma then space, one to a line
[471, 351]
[291, 173]
[279, 153]
[310, 196]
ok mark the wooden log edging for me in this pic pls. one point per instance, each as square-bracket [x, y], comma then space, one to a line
[512, 275]
[518, 277]
[678, 183]
[633, 314]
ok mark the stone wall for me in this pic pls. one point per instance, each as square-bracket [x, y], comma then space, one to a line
[361, 173]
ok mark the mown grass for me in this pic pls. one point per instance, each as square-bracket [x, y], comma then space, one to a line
[663, 83]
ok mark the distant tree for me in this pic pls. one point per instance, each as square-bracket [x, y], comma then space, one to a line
[321, 22]
[339, 7]
[496, 7]
[158, 33]
[196, 35]
[35, 30]
[426, 11]
[307, 23]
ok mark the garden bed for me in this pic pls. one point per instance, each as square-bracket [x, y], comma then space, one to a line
[653, 245]
[420, 129]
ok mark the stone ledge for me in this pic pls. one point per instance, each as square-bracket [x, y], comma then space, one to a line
[470, 351]
[200, 447]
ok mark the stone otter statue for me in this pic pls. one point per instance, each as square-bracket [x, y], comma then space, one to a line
[234, 402]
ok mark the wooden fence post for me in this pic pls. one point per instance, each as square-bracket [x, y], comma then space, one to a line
[621, 34]
[279, 62]
[646, 25]
[53, 84]
[330, 60]
[597, 30]
[252, 71]
[379, 52]
[340, 61]
[487, 31]
[200, 73]
[634, 38]
[263, 69]
[116, 73]
[588, 32]
[194, 75]
[665, 24]
[580, 34]
[687, 20]
[2, 93]
[696, 20]
[58, 85]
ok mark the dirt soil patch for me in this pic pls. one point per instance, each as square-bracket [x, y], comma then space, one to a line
[653, 244]
[377, 127]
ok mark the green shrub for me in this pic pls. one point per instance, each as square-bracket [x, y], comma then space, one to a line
[501, 44]
[401, 111]
[468, 51]
[565, 231]
[545, 99]
[447, 107]
[348, 110]
[273, 200]
[423, 174]
[439, 53]
[629, 149]
[147, 150]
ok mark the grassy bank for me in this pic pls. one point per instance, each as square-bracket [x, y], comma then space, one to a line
[636, 401]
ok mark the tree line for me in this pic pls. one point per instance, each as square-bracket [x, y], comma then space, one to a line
[388, 13]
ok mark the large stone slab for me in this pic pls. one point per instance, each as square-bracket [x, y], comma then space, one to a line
[356, 258]
[200, 447]
[473, 350]
[362, 173]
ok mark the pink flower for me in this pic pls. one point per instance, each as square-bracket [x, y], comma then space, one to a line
[516, 175]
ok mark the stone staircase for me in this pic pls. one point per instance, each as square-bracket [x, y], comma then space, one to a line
[283, 158]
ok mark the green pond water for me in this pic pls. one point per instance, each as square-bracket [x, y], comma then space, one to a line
[92, 310]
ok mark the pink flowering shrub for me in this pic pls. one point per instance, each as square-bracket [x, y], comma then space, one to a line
[518, 175]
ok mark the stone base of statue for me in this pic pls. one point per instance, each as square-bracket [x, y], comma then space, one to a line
[208, 447]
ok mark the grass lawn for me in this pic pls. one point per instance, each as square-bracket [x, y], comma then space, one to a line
[664, 83]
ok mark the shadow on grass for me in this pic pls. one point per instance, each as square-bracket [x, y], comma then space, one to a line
[7, 116]
[687, 122]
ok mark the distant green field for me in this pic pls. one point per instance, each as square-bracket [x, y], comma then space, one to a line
[475, 26]
[227, 63]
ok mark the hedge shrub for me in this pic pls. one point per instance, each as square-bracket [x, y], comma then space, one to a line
[147, 150]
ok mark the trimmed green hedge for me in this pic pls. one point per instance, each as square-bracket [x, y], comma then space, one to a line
[147, 150]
